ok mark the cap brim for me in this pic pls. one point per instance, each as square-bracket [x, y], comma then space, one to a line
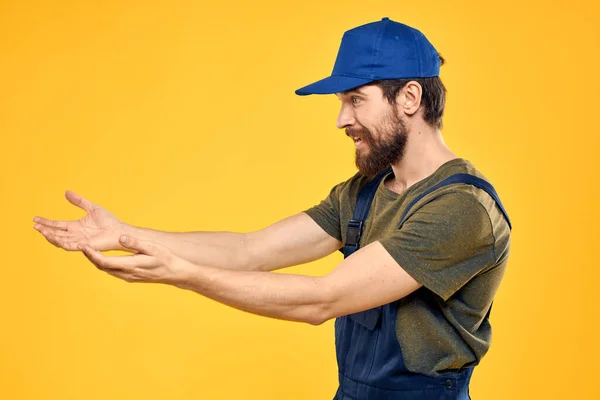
[333, 84]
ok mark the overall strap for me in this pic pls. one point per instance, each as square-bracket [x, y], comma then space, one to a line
[469, 180]
[363, 204]
[354, 230]
[461, 178]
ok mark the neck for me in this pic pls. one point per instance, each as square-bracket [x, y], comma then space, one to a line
[425, 152]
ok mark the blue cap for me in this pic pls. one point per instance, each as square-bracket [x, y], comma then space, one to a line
[384, 49]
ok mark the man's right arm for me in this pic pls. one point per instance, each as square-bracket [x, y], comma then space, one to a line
[292, 241]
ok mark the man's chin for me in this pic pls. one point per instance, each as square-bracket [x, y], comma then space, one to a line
[368, 174]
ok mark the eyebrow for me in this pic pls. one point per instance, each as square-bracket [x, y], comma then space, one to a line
[356, 90]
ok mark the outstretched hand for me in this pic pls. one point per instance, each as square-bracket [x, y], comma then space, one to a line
[99, 229]
[151, 262]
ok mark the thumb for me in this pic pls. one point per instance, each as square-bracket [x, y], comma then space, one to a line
[140, 246]
[79, 201]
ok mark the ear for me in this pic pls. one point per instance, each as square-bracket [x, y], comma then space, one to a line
[409, 98]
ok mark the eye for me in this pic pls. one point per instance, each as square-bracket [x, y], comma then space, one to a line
[355, 100]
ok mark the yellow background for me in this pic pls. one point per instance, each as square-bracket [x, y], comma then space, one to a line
[181, 116]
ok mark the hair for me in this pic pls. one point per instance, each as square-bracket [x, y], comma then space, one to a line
[433, 98]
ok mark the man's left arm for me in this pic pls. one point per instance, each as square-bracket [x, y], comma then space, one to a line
[368, 278]
[445, 244]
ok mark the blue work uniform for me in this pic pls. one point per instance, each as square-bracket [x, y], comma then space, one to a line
[369, 356]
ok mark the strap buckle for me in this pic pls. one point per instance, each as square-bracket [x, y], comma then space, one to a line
[354, 232]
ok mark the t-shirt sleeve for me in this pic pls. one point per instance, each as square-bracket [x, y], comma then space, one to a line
[327, 213]
[444, 243]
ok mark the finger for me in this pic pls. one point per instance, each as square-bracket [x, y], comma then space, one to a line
[48, 234]
[79, 201]
[117, 273]
[51, 231]
[57, 238]
[51, 240]
[96, 257]
[70, 246]
[100, 265]
[62, 225]
[63, 242]
[141, 246]
[125, 263]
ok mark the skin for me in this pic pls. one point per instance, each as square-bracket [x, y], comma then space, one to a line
[235, 268]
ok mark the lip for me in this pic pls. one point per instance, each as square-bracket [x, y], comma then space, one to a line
[359, 143]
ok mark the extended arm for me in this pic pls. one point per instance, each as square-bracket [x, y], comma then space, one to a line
[368, 278]
[291, 241]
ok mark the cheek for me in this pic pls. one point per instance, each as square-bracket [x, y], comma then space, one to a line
[370, 117]
[364, 120]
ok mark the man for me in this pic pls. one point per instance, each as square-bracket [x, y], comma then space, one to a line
[423, 258]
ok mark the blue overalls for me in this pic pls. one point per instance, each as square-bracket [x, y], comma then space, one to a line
[369, 357]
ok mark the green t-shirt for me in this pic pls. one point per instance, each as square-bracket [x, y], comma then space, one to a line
[455, 242]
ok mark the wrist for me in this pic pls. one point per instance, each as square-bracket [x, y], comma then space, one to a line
[182, 274]
[126, 229]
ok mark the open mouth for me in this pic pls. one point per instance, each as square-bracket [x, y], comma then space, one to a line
[357, 140]
[357, 137]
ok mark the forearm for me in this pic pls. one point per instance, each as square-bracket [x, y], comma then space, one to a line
[216, 249]
[282, 296]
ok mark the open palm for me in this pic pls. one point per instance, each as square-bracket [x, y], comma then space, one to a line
[99, 229]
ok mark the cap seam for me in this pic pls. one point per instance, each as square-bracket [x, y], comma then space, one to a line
[414, 34]
[376, 49]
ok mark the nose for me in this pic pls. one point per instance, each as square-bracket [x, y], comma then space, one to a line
[345, 118]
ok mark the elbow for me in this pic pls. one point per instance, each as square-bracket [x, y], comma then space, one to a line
[317, 319]
[323, 310]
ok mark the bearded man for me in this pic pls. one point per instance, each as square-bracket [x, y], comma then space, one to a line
[424, 235]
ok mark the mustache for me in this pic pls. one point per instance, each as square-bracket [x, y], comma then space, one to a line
[358, 132]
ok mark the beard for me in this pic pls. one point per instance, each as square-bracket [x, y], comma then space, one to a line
[385, 149]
